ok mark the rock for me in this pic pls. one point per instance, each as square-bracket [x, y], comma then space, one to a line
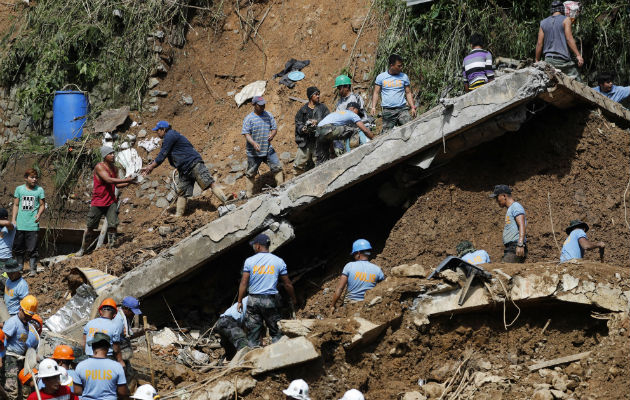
[286, 156]
[441, 373]
[557, 394]
[22, 126]
[158, 93]
[413, 396]
[232, 178]
[420, 320]
[142, 133]
[433, 390]
[238, 166]
[222, 210]
[155, 184]
[178, 373]
[164, 230]
[542, 394]
[187, 99]
[153, 108]
[224, 390]
[344, 47]
[164, 337]
[375, 301]
[453, 276]
[14, 121]
[399, 350]
[161, 202]
[145, 185]
[559, 382]
[483, 364]
[356, 22]
[410, 271]
[282, 354]
[170, 196]
[153, 82]
[152, 100]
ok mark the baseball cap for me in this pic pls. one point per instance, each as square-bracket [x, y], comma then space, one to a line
[500, 189]
[260, 239]
[100, 337]
[356, 105]
[258, 100]
[161, 125]
[106, 150]
[132, 303]
[4, 214]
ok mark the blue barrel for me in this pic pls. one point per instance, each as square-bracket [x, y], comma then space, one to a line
[70, 109]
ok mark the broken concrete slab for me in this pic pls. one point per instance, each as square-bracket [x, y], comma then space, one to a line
[282, 354]
[367, 332]
[409, 271]
[225, 390]
[297, 327]
[109, 120]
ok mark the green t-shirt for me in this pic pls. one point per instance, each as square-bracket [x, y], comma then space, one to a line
[28, 207]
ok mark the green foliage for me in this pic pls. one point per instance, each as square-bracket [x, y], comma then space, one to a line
[432, 38]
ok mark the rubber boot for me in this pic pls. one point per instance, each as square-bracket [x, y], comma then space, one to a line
[249, 186]
[279, 177]
[20, 261]
[217, 191]
[111, 239]
[33, 266]
[180, 208]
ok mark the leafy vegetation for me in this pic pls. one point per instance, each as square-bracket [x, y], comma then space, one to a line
[432, 38]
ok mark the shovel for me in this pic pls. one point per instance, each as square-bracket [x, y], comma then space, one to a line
[30, 360]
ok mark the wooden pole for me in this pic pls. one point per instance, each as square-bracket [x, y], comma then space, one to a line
[146, 336]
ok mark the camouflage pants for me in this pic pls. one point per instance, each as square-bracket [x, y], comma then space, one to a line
[233, 337]
[326, 135]
[12, 385]
[262, 309]
[568, 67]
[395, 117]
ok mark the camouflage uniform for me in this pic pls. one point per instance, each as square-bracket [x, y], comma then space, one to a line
[395, 116]
[262, 309]
[327, 134]
[12, 366]
[233, 337]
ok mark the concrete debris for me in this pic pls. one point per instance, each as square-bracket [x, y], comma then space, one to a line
[413, 396]
[164, 230]
[297, 327]
[161, 203]
[367, 332]
[153, 82]
[165, 337]
[282, 354]
[481, 378]
[223, 210]
[225, 390]
[410, 271]
[433, 390]
[187, 99]
[109, 120]
[542, 394]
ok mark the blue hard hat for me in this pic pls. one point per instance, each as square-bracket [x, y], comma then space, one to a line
[360, 245]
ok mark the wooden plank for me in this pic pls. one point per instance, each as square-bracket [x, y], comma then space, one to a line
[557, 361]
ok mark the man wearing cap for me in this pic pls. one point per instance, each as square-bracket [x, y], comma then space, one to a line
[7, 234]
[575, 244]
[16, 333]
[467, 252]
[343, 84]
[306, 120]
[514, 235]
[104, 202]
[190, 166]
[396, 99]
[15, 287]
[230, 327]
[338, 125]
[260, 278]
[555, 39]
[359, 275]
[99, 377]
[259, 128]
[104, 324]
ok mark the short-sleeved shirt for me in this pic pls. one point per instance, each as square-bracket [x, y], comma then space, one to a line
[233, 311]
[104, 325]
[617, 93]
[510, 230]
[16, 333]
[392, 89]
[32, 341]
[571, 247]
[63, 393]
[100, 378]
[28, 207]
[14, 292]
[478, 66]
[339, 118]
[6, 242]
[477, 257]
[264, 270]
[260, 127]
[362, 276]
[71, 373]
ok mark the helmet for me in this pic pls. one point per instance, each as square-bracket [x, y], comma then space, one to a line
[464, 247]
[2, 337]
[145, 392]
[353, 394]
[298, 389]
[48, 368]
[108, 302]
[29, 305]
[65, 378]
[63, 352]
[342, 80]
[24, 376]
[360, 245]
[40, 321]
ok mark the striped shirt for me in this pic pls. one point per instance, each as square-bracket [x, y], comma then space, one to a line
[260, 127]
[478, 67]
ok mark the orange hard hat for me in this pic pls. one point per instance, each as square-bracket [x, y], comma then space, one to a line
[29, 305]
[108, 302]
[2, 337]
[39, 321]
[24, 376]
[63, 352]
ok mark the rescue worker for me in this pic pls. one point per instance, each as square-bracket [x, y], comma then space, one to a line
[127, 310]
[145, 392]
[396, 99]
[104, 323]
[514, 231]
[99, 377]
[576, 243]
[64, 356]
[605, 86]
[16, 332]
[26, 380]
[467, 252]
[298, 389]
[306, 120]
[338, 125]
[15, 287]
[359, 275]
[260, 278]
[7, 235]
[555, 39]
[35, 326]
[230, 327]
[353, 394]
[50, 375]
[343, 84]
[104, 201]
[182, 155]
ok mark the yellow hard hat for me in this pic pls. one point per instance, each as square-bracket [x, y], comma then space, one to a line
[29, 305]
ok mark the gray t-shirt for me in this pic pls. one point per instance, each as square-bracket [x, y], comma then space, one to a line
[555, 40]
[510, 230]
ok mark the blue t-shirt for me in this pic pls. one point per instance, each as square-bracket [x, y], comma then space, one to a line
[28, 207]
[100, 378]
[510, 230]
[259, 127]
[104, 325]
[362, 276]
[264, 270]
[32, 341]
[571, 247]
[339, 118]
[14, 292]
[6, 242]
[477, 257]
[392, 89]
[233, 311]
[16, 333]
[617, 93]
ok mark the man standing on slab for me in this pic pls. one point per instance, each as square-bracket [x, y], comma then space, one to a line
[514, 236]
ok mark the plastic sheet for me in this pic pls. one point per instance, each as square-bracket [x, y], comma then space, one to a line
[76, 310]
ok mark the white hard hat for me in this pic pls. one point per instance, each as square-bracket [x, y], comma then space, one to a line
[353, 394]
[66, 380]
[298, 389]
[48, 368]
[145, 392]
